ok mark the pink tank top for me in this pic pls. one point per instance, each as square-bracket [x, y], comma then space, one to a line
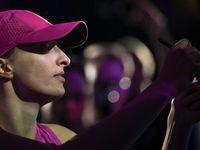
[45, 135]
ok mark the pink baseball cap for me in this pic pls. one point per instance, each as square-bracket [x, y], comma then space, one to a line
[23, 27]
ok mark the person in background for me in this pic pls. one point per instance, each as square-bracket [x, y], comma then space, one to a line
[114, 74]
[154, 135]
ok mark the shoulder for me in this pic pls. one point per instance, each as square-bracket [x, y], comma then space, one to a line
[61, 132]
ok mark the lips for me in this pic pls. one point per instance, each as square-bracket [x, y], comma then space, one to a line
[60, 76]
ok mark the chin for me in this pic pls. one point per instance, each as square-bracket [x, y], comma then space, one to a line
[57, 93]
[52, 97]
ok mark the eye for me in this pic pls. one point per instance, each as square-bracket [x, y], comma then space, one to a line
[47, 47]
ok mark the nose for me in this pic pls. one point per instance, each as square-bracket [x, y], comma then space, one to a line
[63, 60]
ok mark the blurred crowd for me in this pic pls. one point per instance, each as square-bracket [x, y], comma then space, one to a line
[120, 59]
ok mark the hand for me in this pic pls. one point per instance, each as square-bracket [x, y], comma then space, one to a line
[180, 67]
[186, 107]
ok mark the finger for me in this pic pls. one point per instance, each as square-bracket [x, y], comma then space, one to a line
[195, 105]
[194, 54]
[191, 98]
[190, 50]
[183, 43]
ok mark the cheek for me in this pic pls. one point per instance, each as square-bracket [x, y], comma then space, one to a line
[31, 73]
[38, 79]
[30, 79]
[37, 76]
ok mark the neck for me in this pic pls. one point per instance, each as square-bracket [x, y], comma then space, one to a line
[19, 120]
[17, 116]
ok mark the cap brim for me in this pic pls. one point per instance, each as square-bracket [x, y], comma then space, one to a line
[69, 35]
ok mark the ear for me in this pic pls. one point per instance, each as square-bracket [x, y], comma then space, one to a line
[5, 69]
